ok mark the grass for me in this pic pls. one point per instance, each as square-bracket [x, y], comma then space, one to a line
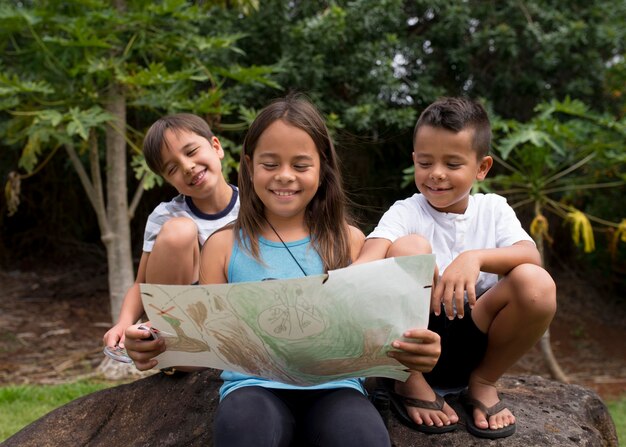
[22, 404]
[617, 408]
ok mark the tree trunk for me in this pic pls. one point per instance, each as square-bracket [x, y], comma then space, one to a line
[548, 357]
[546, 349]
[117, 241]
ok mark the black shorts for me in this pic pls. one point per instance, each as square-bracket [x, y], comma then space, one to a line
[463, 346]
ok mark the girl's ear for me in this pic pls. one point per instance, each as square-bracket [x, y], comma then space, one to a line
[248, 166]
[485, 165]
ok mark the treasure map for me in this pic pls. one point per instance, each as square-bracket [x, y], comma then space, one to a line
[301, 331]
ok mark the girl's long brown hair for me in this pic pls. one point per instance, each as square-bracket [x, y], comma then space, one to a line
[326, 215]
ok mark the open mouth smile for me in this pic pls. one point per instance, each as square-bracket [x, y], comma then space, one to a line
[437, 190]
[283, 193]
[197, 178]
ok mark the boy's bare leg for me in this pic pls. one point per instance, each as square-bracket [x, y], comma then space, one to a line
[175, 257]
[416, 385]
[514, 313]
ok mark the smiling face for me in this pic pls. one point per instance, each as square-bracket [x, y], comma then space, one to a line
[285, 171]
[446, 167]
[192, 164]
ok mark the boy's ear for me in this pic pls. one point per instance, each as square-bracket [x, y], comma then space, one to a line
[217, 146]
[485, 165]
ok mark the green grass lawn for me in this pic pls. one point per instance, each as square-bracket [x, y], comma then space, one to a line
[617, 408]
[22, 404]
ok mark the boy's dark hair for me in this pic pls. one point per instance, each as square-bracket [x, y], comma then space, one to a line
[456, 114]
[154, 141]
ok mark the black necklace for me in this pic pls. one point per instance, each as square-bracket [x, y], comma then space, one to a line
[285, 245]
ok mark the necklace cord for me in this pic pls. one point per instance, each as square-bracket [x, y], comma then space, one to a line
[285, 245]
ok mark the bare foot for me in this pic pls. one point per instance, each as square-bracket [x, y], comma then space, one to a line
[487, 393]
[416, 387]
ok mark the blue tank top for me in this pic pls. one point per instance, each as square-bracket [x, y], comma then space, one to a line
[277, 264]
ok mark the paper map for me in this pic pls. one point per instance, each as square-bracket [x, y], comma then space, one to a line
[301, 331]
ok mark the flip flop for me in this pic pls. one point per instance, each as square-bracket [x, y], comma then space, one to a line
[398, 403]
[467, 406]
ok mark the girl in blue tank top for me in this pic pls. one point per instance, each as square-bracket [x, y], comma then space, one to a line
[292, 222]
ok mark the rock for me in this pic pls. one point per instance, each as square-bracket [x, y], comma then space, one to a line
[177, 410]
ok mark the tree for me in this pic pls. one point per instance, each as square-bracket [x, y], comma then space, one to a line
[372, 66]
[551, 162]
[88, 77]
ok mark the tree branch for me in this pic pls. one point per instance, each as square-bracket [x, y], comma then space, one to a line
[96, 175]
[136, 198]
[82, 175]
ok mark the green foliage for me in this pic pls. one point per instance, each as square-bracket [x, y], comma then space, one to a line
[62, 58]
[371, 67]
[386, 57]
[518, 53]
[558, 139]
[557, 161]
[374, 65]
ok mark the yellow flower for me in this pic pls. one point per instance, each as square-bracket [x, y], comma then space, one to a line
[581, 228]
[619, 234]
[539, 228]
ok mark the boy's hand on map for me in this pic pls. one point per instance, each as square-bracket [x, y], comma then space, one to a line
[142, 347]
[459, 277]
[419, 351]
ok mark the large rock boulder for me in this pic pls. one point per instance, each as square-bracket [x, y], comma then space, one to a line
[178, 410]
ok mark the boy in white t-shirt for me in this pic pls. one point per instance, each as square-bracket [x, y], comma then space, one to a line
[485, 324]
[184, 151]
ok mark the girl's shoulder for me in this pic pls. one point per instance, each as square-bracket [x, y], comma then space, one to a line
[215, 256]
[357, 239]
[355, 233]
[220, 241]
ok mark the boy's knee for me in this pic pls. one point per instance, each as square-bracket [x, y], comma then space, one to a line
[409, 245]
[178, 232]
[537, 290]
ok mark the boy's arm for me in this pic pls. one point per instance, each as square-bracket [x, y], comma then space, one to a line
[502, 260]
[373, 249]
[132, 308]
[461, 275]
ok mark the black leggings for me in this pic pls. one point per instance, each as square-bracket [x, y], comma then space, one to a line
[257, 416]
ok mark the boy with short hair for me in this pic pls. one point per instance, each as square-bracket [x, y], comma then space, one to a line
[486, 324]
[183, 150]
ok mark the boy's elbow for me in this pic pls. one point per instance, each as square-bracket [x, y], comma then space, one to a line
[536, 258]
[531, 253]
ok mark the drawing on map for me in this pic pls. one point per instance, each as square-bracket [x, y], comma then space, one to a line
[302, 331]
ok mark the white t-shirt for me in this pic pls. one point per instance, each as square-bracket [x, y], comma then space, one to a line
[488, 222]
[182, 206]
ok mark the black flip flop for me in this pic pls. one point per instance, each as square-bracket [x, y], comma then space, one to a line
[398, 403]
[467, 404]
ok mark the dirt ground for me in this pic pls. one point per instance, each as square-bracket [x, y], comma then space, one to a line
[52, 321]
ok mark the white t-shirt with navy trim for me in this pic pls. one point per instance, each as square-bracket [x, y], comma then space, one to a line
[183, 206]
